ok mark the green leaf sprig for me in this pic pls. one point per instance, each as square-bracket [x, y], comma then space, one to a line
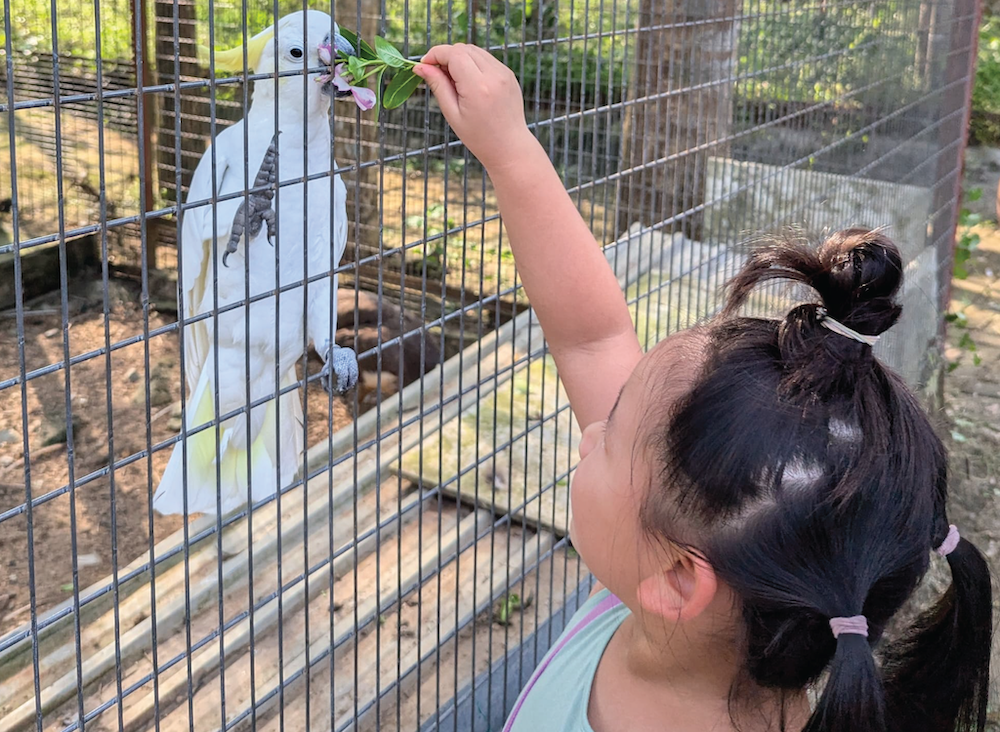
[376, 63]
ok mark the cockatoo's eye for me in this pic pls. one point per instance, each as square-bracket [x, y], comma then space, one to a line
[295, 52]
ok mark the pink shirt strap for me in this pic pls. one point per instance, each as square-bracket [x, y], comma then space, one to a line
[599, 609]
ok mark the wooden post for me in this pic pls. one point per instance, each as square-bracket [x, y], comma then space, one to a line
[951, 57]
[922, 57]
[147, 128]
[683, 107]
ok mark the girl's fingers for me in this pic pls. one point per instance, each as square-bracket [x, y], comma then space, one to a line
[473, 52]
[440, 55]
[456, 60]
[485, 60]
[463, 71]
[433, 56]
[441, 87]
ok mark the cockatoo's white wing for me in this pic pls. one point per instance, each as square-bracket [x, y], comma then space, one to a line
[205, 222]
[339, 220]
[196, 241]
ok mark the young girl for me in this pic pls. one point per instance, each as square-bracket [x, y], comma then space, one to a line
[757, 498]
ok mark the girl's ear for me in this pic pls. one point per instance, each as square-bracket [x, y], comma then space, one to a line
[680, 591]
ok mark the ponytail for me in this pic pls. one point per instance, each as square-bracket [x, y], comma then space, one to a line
[935, 679]
[937, 676]
[853, 700]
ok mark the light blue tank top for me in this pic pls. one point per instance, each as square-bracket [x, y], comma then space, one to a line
[558, 694]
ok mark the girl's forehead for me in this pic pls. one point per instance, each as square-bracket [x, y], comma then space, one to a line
[666, 372]
[674, 361]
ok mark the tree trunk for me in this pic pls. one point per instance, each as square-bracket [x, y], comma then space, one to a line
[144, 76]
[685, 55]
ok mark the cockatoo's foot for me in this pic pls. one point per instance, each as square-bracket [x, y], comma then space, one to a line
[256, 210]
[340, 370]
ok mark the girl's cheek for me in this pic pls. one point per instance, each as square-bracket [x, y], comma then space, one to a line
[579, 499]
[588, 524]
[590, 438]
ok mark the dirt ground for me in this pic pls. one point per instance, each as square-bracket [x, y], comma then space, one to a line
[97, 387]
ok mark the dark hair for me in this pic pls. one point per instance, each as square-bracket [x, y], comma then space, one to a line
[820, 485]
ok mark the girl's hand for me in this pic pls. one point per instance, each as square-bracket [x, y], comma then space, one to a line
[482, 101]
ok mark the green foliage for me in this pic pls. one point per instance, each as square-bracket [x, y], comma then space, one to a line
[984, 126]
[503, 613]
[389, 55]
[965, 246]
[403, 84]
[384, 58]
[361, 46]
[792, 50]
[986, 93]
[567, 70]
[801, 51]
[968, 240]
[76, 28]
[77, 31]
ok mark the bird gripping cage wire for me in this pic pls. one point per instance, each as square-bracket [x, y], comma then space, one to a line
[198, 530]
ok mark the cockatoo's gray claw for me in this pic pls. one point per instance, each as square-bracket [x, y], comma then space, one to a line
[272, 228]
[230, 248]
[259, 211]
[340, 370]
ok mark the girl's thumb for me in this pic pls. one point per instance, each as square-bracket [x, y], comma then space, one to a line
[441, 87]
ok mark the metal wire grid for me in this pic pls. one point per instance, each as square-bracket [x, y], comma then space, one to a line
[898, 123]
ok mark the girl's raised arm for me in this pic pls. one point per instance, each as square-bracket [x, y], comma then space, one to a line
[571, 287]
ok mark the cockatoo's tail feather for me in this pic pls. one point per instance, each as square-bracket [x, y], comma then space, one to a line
[228, 454]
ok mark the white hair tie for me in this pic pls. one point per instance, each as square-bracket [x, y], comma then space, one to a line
[840, 329]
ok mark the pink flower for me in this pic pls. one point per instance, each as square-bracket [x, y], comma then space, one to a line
[325, 53]
[363, 96]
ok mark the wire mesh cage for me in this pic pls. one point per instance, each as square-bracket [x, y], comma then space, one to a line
[398, 557]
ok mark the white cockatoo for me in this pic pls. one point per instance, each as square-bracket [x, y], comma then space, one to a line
[246, 248]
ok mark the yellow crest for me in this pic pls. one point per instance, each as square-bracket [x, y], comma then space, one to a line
[232, 60]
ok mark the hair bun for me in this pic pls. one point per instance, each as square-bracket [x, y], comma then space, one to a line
[856, 272]
[860, 274]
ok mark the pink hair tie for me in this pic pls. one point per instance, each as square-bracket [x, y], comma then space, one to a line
[950, 541]
[856, 625]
